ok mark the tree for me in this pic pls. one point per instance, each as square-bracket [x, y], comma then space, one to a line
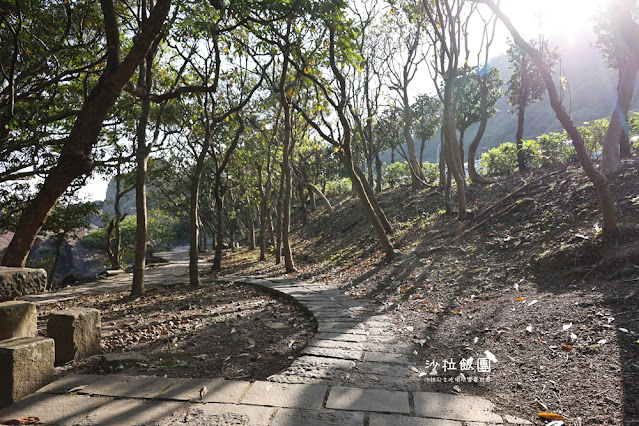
[335, 92]
[468, 94]
[75, 155]
[526, 86]
[409, 25]
[606, 201]
[426, 113]
[618, 56]
[67, 217]
[448, 22]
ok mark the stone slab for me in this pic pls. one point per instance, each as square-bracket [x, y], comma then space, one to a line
[455, 407]
[134, 412]
[286, 395]
[400, 420]
[386, 369]
[340, 328]
[379, 381]
[380, 400]
[16, 282]
[225, 415]
[54, 409]
[344, 337]
[18, 319]
[335, 344]
[75, 382]
[129, 386]
[389, 357]
[290, 417]
[333, 353]
[26, 364]
[217, 390]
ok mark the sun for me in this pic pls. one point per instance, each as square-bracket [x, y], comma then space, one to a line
[563, 19]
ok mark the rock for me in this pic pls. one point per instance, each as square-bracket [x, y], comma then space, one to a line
[76, 332]
[15, 282]
[18, 319]
[69, 279]
[115, 361]
[27, 365]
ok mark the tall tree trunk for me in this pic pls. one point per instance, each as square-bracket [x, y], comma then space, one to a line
[462, 133]
[452, 150]
[472, 148]
[219, 232]
[521, 111]
[378, 170]
[618, 127]
[302, 199]
[194, 210]
[251, 224]
[370, 194]
[368, 208]
[289, 265]
[56, 258]
[278, 231]
[312, 189]
[139, 266]
[415, 168]
[75, 158]
[116, 248]
[269, 225]
[262, 214]
[606, 200]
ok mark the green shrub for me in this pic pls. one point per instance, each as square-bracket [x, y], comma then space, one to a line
[554, 148]
[396, 174]
[431, 172]
[499, 160]
[593, 134]
[337, 188]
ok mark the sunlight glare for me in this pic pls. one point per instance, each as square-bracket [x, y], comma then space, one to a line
[554, 18]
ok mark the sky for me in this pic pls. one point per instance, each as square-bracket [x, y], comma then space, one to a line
[558, 19]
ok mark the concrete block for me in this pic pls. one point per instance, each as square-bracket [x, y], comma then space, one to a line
[455, 407]
[135, 412]
[54, 409]
[226, 415]
[291, 417]
[27, 365]
[400, 420]
[76, 332]
[18, 319]
[16, 282]
[285, 395]
[379, 400]
[129, 386]
[217, 390]
[72, 382]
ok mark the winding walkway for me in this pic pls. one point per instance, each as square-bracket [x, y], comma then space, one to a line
[355, 371]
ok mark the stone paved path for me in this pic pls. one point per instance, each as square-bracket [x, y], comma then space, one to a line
[355, 371]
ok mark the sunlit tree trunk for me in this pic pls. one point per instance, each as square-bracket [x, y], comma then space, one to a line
[618, 127]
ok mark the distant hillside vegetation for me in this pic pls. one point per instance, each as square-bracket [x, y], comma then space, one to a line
[591, 95]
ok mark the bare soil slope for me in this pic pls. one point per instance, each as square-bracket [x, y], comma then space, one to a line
[528, 282]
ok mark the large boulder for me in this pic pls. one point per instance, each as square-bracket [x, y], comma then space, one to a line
[16, 282]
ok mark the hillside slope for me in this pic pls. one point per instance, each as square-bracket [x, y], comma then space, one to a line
[529, 279]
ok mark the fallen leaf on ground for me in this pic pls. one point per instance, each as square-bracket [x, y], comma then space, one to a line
[552, 416]
[21, 421]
